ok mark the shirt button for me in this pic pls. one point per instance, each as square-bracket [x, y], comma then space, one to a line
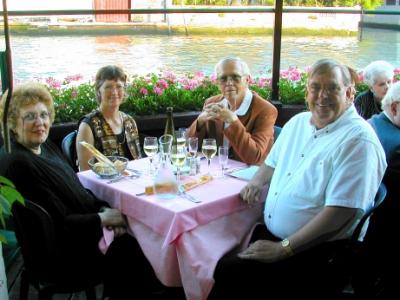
[302, 155]
[276, 193]
[288, 174]
[315, 136]
[269, 216]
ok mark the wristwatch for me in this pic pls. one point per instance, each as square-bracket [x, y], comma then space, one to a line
[286, 246]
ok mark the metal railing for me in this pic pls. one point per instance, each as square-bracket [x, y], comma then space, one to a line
[278, 10]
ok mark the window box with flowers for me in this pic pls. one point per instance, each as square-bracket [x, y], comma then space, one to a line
[149, 96]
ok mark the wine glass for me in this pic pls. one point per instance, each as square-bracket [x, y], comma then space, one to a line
[178, 159]
[193, 146]
[209, 149]
[150, 147]
[223, 153]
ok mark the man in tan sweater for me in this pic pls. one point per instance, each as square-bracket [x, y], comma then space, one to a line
[238, 118]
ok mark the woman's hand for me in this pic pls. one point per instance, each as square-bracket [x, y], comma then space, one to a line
[264, 251]
[119, 230]
[111, 217]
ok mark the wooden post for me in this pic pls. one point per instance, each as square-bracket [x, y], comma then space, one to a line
[276, 55]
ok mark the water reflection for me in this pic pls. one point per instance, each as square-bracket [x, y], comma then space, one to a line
[60, 56]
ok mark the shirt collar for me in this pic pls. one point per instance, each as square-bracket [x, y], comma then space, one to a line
[244, 107]
[349, 113]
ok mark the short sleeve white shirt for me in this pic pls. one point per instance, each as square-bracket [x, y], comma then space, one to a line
[341, 164]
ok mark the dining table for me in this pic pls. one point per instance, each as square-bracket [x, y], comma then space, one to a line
[182, 240]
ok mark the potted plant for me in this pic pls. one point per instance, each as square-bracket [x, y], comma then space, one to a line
[8, 195]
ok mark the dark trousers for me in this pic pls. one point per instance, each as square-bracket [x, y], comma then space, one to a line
[129, 274]
[310, 273]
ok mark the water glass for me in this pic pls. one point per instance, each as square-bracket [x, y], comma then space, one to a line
[223, 154]
[209, 149]
[181, 138]
[193, 146]
[165, 142]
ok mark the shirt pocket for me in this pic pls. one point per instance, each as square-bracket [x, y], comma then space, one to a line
[311, 182]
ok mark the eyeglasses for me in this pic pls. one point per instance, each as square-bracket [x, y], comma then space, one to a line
[330, 89]
[236, 78]
[109, 88]
[31, 117]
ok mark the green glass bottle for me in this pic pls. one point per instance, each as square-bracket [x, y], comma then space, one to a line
[169, 126]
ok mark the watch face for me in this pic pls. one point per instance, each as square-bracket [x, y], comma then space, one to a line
[285, 243]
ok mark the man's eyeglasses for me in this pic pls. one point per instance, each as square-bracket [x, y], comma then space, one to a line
[234, 77]
[330, 89]
[31, 117]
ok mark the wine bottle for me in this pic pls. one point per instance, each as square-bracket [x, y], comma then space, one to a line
[169, 126]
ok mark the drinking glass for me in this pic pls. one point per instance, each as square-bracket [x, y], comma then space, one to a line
[180, 138]
[223, 153]
[150, 147]
[178, 159]
[209, 149]
[193, 146]
[165, 142]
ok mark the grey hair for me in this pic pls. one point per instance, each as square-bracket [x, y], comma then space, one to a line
[243, 65]
[325, 65]
[376, 69]
[392, 95]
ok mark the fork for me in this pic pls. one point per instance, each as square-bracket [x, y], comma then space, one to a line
[183, 194]
[132, 176]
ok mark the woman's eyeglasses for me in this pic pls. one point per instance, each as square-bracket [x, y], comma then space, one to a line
[31, 117]
[236, 78]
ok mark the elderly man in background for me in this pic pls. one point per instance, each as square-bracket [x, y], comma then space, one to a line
[383, 258]
[379, 76]
[238, 118]
[323, 173]
[387, 123]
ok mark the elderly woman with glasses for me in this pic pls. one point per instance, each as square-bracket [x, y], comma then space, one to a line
[110, 130]
[41, 174]
[379, 76]
[237, 118]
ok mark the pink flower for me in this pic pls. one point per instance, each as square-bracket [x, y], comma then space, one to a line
[162, 83]
[53, 83]
[75, 77]
[144, 91]
[170, 76]
[213, 78]
[158, 90]
[74, 93]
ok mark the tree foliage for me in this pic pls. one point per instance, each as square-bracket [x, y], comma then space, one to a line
[366, 4]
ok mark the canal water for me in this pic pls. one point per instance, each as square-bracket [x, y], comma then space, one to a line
[61, 56]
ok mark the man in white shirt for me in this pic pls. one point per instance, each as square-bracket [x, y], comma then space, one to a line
[323, 173]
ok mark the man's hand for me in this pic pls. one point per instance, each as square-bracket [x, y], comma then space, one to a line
[216, 111]
[264, 251]
[251, 193]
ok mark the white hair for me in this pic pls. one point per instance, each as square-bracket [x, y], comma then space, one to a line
[376, 69]
[392, 95]
[244, 67]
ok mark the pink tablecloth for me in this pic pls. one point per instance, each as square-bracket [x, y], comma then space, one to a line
[182, 240]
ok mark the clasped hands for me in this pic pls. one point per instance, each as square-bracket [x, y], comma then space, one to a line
[113, 220]
[217, 111]
[264, 251]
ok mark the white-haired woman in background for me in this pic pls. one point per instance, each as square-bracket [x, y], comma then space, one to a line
[379, 76]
